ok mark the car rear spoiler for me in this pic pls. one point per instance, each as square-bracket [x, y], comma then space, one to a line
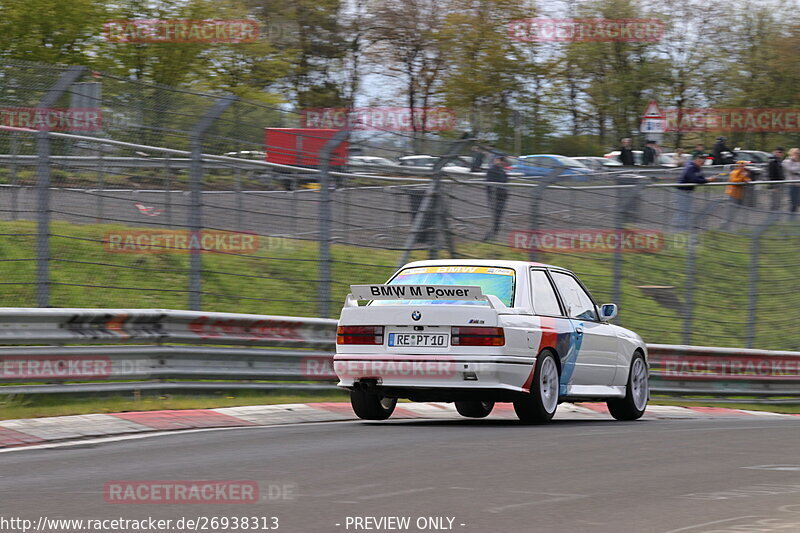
[424, 292]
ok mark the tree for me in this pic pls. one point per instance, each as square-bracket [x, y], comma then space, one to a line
[485, 70]
[314, 51]
[616, 78]
[50, 31]
[406, 37]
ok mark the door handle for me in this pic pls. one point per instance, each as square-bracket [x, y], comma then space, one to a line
[579, 330]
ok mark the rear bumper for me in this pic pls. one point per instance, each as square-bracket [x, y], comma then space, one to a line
[434, 373]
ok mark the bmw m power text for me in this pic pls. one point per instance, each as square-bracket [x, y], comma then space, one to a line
[481, 331]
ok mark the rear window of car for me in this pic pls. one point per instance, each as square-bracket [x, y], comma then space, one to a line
[497, 281]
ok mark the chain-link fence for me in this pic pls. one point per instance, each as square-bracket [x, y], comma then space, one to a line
[163, 199]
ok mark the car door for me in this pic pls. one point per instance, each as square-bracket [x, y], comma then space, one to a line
[597, 357]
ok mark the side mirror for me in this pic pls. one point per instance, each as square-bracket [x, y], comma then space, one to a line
[608, 311]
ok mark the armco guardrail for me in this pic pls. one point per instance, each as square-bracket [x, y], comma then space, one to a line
[96, 350]
[711, 371]
[183, 345]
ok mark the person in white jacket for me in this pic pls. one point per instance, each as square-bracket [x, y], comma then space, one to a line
[791, 171]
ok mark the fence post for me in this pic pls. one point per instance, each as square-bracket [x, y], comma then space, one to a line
[627, 207]
[196, 198]
[325, 221]
[753, 277]
[43, 187]
[13, 177]
[428, 203]
[689, 270]
[536, 199]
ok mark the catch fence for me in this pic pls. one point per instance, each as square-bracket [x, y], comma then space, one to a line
[170, 204]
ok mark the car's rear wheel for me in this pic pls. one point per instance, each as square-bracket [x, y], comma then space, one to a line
[634, 403]
[539, 406]
[371, 406]
[474, 409]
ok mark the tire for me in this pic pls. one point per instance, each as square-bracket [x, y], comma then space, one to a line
[371, 406]
[474, 409]
[539, 406]
[633, 405]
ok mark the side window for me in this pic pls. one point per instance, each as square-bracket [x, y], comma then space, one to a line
[545, 301]
[577, 301]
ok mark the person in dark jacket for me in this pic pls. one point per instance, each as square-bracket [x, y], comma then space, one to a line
[693, 175]
[477, 159]
[717, 149]
[496, 193]
[649, 154]
[775, 173]
[626, 153]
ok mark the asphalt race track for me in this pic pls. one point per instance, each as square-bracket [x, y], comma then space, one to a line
[575, 475]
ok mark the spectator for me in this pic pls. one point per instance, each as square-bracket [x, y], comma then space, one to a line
[718, 149]
[775, 173]
[626, 153]
[738, 175]
[478, 154]
[496, 193]
[791, 171]
[699, 149]
[649, 154]
[692, 174]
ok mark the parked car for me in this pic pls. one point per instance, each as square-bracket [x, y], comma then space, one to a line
[664, 160]
[425, 161]
[476, 332]
[248, 154]
[458, 166]
[543, 164]
[598, 164]
[754, 156]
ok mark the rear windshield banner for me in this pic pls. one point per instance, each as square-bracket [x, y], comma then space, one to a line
[416, 292]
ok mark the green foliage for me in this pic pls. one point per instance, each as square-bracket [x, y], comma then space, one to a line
[575, 145]
[317, 53]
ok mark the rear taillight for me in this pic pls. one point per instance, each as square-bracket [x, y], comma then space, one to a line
[359, 335]
[477, 336]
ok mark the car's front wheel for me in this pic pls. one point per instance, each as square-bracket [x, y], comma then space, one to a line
[474, 409]
[371, 406]
[539, 406]
[637, 392]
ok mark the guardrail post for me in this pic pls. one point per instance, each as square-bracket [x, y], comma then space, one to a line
[196, 198]
[753, 276]
[325, 221]
[43, 188]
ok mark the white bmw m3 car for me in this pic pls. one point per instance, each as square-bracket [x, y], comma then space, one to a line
[477, 332]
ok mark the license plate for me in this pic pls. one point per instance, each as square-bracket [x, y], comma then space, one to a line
[430, 340]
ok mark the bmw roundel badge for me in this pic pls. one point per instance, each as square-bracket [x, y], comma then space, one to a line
[416, 315]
